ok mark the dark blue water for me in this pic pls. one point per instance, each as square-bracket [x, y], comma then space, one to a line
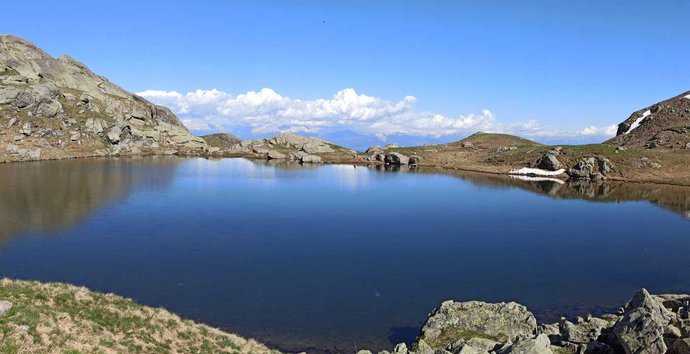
[329, 257]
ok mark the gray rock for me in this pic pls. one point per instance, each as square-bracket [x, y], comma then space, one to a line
[24, 153]
[535, 345]
[5, 306]
[95, 125]
[275, 155]
[681, 346]
[549, 162]
[584, 169]
[114, 134]
[310, 159]
[466, 144]
[642, 327]
[583, 332]
[75, 136]
[414, 160]
[396, 158]
[11, 122]
[475, 346]
[647, 163]
[262, 151]
[605, 165]
[317, 148]
[374, 149]
[400, 348]
[25, 129]
[454, 321]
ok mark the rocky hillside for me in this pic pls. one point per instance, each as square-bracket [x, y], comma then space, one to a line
[57, 108]
[60, 318]
[663, 125]
[285, 146]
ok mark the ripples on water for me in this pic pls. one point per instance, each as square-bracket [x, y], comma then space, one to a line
[327, 258]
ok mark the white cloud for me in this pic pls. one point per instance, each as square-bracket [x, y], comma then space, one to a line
[265, 112]
[593, 130]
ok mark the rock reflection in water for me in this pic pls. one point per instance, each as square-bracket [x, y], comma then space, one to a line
[48, 196]
[673, 198]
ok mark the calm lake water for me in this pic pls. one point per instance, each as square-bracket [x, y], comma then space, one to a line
[325, 258]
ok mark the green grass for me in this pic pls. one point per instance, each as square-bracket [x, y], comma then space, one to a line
[71, 317]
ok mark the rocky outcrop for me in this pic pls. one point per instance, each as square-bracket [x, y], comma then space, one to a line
[396, 158]
[62, 109]
[453, 323]
[283, 146]
[549, 161]
[642, 328]
[595, 168]
[662, 125]
[647, 324]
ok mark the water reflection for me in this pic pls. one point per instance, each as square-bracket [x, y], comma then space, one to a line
[49, 196]
[669, 197]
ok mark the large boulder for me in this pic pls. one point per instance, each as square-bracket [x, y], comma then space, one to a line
[396, 158]
[310, 159]
[643, 325]
[454, 321]
[549, 162]
[584, 169]
[275, 155]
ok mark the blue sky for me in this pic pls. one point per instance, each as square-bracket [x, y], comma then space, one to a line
[428, 69]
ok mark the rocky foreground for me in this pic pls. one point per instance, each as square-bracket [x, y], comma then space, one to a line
[59, 318]
[647, 324]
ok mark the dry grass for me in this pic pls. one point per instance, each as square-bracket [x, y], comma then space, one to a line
[60, 318]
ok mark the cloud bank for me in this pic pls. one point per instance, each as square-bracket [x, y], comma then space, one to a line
[267, 112]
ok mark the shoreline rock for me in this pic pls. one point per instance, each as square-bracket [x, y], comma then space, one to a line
[649, 324]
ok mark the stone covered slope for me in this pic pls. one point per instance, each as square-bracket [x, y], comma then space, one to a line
[649, 324]
[60, 318]
[663, 125]
[57, 108]
[288, 146]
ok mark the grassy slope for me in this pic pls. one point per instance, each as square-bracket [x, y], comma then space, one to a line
[60, 318]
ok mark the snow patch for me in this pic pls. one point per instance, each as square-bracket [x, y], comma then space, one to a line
[537, 179]
[526, 171]
[638, 121]
[688, 97]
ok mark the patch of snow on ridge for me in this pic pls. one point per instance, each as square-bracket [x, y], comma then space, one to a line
[526, 171]
[638, 121]
[537, 179]
[688, 97]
